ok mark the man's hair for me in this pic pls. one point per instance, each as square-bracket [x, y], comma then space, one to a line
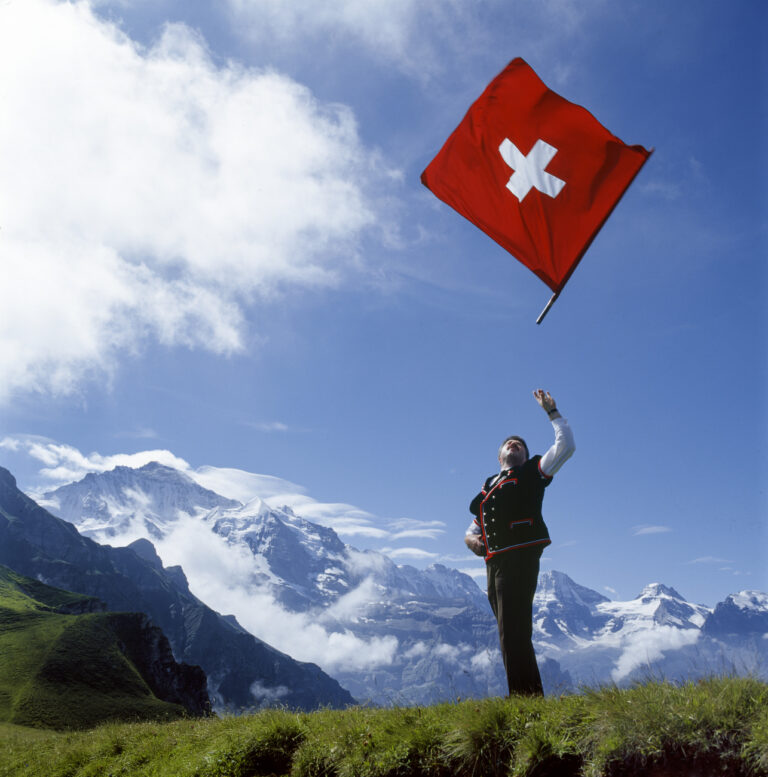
[519, 439]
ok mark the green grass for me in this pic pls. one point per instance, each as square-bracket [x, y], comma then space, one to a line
[714, 727]
[25, 594]
[65, 671]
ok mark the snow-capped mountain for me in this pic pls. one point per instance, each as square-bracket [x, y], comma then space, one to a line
[143, 502]
[596, 639]
[392, 633]
[745, 613]
[565, 612]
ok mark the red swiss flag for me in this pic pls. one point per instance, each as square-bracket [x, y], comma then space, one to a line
[538, 174]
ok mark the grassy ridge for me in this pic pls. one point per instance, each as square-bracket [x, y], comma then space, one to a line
[61, 671]
[719, 726]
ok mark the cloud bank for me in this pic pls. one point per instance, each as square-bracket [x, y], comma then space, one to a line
[223, 576]
[65, 464]
[152, 194]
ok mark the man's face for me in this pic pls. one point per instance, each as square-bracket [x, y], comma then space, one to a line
[512, 454]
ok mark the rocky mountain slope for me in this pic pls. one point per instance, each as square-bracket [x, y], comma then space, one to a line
[242, 671]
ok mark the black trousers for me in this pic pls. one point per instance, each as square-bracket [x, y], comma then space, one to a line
[512, 578]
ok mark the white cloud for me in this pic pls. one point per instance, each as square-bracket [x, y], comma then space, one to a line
[409, 528]
[403, 32]
[417, 650]
[150, 193]
[227, 578]
[141, 433]
[65, 464]
[348, 607]
[263, 692]
[411, 553]
[643, 649]
[345, 519]
[244, 486]
[421, 38]
[645, 529]
[485, 660]
[364, 563]
[344, 515]
[449, 652]
[665, 190]
[268, 426]
[710, 560]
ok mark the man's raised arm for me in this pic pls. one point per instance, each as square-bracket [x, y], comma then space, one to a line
[564, 445]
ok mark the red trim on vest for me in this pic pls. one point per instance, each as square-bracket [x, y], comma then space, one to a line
[491, 554]
[482, 517]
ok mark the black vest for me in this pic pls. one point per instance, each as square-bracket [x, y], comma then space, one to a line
[508, 509]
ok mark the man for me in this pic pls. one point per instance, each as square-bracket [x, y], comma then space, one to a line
[510, 532]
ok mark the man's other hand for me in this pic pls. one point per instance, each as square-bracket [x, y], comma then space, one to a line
[475, 543]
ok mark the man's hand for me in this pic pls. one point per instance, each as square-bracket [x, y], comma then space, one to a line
[544, 398]
[475, 543]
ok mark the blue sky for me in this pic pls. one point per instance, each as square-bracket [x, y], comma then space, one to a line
[215, 244]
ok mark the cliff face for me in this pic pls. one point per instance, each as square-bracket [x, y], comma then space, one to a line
[148, 649]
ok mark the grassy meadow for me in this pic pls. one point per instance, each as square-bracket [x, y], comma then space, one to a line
[713, 727]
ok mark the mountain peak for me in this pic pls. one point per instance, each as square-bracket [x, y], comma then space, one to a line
[6, 478]
[750, 600]
[156, 466]
[659, 590]
[103, 505]
[557, 585]
[146, 550]
[743, 613]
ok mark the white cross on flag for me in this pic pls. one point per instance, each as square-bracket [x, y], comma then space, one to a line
[538, 174]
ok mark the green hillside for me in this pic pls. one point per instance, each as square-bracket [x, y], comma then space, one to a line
[713, 728]
[62, 666]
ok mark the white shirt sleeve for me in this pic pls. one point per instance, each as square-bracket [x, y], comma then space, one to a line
[561, 451]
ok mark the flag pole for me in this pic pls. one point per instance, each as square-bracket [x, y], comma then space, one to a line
[589, 242]
[549, 305]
